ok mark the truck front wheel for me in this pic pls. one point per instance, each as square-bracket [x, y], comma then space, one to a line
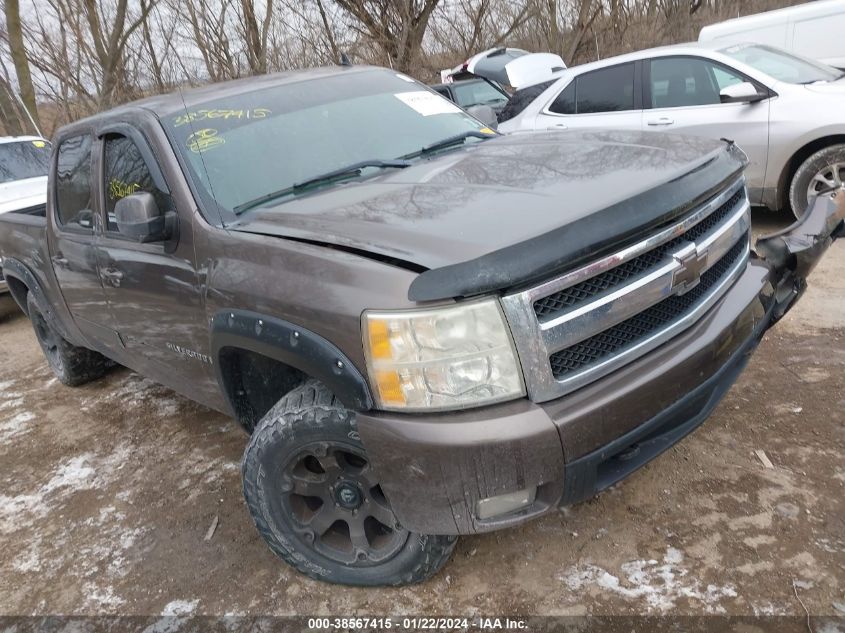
[72, 365]
[317, 501]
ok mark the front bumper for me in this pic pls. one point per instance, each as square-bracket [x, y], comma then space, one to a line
[436, 468]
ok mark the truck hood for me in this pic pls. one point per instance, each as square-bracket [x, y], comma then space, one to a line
[23, 194]
[489, 196]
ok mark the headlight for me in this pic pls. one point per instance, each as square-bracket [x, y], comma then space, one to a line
[453, 357]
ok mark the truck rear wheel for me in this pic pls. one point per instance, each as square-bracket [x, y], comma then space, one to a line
[317, 501]
[72, 365]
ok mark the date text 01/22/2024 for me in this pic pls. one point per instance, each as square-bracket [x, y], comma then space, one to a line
[417, 623]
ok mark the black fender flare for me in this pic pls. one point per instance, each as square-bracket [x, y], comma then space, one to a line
[14, 268]
[292, 345]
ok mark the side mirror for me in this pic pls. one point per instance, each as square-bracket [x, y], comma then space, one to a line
[139, 217]
[85, 219]
[745, 92]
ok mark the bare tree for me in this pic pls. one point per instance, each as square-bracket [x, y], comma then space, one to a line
[209, 20]
[110, 38]
[255, 36]
[395, 27]
[85, 55]
[19, 58]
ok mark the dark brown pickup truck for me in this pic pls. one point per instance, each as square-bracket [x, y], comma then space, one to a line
[428, 329]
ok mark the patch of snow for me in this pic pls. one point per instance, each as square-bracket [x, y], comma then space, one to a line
[74, 473]
[101, 598]
[660, 585]
[767, 609]
[83, 472]
[29, 561]
[167, 624]
[673, 556]
[16, 425]
[15, 402]
[180, 607]
[831, 546]
[167, 407]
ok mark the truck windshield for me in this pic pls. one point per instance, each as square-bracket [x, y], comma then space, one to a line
[20, 160]
[781, 65]
[244, 147]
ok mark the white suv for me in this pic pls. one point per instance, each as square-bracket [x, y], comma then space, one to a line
[24, 162]
[784, 111]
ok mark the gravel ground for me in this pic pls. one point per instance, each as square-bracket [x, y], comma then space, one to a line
[107, 492]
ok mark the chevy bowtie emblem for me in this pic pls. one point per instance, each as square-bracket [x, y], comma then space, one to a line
[692, 263]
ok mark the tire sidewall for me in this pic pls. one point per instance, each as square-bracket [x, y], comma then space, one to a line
[280, 438]
[36, 315]
[804, 174]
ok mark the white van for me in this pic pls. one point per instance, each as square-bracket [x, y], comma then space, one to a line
[814, 29]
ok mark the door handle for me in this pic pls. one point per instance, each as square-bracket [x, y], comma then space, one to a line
[664, 120]
[561, 126]
[113, 276]
[60, 262]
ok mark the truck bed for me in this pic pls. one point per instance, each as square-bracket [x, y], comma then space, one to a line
[23, 243]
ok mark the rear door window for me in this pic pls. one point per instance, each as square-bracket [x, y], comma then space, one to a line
[606, 90]
[565, 101]
[74, 204]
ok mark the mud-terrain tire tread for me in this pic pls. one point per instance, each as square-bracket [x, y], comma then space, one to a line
[312, 403]
[73, 366]
[805, 172]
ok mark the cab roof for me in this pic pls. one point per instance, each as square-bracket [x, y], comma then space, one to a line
[171, 103]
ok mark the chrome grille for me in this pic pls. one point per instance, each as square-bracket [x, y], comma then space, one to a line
[580, 326]
[616, 338]
[550, 306]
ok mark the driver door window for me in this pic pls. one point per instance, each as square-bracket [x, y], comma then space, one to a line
[682, 82]
[125, 172]
[682, 94]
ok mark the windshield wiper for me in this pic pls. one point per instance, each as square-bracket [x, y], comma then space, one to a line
[457, 139]
[350, 171]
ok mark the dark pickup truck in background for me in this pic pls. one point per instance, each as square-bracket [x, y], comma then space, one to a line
[428, 329]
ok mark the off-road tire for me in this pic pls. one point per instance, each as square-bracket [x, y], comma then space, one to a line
[72, 365]
[805, 173]
[310, 418]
